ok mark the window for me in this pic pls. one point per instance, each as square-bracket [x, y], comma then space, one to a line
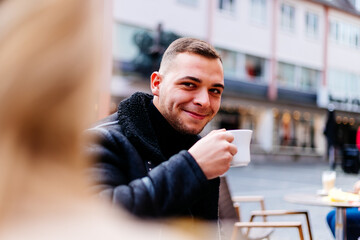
[229, 61]
[336, 84]
[227, 5]
[345, 33]
[258, 11]
[293, 128]
[354, 36]
[343, 89]
[254, 68]
[189, 2]
[312, 24]
[287, 17]
[124, 47]
[334, 30]
[286, 75]
[297, 77]
[309, 79]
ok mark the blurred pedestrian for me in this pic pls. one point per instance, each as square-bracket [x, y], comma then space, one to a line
[357, 139]
[49, 59]
[151, 160]
[352, 219]
[330, 132]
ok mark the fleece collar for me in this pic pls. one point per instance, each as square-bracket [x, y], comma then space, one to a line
[133, 116]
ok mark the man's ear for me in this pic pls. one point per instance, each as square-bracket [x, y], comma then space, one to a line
[155, 83]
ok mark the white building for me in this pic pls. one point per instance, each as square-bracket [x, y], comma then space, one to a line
[284, 61]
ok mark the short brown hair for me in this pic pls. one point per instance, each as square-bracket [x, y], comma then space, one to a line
[189, 45]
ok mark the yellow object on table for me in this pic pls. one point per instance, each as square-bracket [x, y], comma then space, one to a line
[337, 195]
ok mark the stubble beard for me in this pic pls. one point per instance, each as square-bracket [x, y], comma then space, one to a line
[178, 124]
[181, 127]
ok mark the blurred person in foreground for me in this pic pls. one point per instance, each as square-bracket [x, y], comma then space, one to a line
[352, 219]
[151, 158]
[48, 62]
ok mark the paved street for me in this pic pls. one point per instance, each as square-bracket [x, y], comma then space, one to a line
[274, 179]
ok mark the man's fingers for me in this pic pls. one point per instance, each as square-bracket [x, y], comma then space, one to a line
[228, 136]
[216, 131]
[233, 149]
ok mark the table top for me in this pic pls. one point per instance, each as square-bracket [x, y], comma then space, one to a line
[317, 200]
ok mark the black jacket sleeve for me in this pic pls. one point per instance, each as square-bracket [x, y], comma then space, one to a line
[120, 174]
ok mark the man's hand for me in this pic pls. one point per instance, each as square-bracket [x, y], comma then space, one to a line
[214, 153]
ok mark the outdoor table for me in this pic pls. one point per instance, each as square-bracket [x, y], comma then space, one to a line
[317, 200]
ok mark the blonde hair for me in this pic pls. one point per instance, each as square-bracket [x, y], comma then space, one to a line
[48, 62]
[47, 66]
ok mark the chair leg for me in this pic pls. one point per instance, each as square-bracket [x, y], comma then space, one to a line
[308, 225]
[301, 233]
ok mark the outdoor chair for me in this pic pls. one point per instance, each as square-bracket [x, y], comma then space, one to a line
[229, 214]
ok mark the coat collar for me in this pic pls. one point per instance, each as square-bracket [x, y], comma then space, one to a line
[133, 116]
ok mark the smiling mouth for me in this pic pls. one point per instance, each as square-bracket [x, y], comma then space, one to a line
[196, 115]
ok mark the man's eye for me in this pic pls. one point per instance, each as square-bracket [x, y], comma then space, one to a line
[189, 84]
[216, 91]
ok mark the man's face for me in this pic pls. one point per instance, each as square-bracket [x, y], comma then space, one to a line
[188, 93]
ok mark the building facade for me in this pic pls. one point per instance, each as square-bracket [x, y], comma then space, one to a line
[285, 62]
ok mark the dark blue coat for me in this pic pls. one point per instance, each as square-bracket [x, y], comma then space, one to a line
[132, 171]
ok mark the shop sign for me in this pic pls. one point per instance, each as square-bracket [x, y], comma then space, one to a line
[344, 103]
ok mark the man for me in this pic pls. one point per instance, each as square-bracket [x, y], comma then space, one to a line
[151, 160]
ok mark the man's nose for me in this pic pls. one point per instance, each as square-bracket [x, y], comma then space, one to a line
[202, 98]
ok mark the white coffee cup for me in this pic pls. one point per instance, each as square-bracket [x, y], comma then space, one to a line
[242, 138]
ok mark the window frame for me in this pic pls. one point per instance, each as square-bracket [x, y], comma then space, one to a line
[287, 17]
[312, 21]
[227, 6]
[258, 8]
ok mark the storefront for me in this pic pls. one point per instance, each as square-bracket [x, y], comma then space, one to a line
[278, 129]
